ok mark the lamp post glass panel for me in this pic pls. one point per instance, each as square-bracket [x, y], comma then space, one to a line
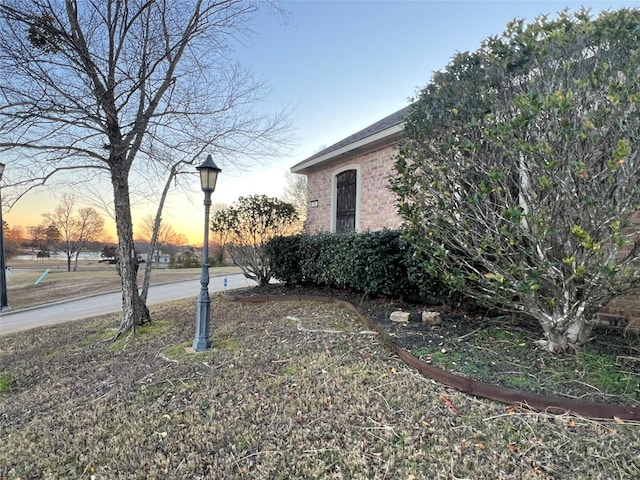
[208, 176]
[4, 304]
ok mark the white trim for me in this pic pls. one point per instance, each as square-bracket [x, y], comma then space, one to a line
[371, 139]
[334, 194]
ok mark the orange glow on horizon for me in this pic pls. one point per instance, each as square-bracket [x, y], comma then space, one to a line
[29, 213]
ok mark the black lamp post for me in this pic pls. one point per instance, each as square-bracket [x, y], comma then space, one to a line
[4, 304]
[208, 176]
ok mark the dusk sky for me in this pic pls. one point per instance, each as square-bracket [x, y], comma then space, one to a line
[340, 66]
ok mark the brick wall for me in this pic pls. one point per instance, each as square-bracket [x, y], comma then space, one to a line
[622, 312]
[625, 310]
[318, 201]
[377, 203]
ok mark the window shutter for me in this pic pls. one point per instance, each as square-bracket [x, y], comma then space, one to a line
[346, 201]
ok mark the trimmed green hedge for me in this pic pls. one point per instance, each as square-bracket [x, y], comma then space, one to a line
[374, 262]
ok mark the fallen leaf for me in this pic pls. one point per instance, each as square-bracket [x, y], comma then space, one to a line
[513, 447]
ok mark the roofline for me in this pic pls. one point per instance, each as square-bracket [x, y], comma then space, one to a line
[376, 138]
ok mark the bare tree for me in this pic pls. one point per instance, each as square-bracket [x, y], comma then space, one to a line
[156, 233]
[36, 237]
[295, 193]
[99, 86]
[156, 230]
[91, 228]
[165, 233]
[12, 239]
[75, 230]
[52, 236]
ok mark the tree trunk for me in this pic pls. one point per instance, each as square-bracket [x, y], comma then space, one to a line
[68, 262]
[562, 334]
[153, 244]
[75, 260]
[134, 310]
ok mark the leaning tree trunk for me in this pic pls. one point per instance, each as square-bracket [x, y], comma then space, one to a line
[153, 244]
[134, 310]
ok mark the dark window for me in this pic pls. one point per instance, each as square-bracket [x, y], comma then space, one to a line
[346, 201]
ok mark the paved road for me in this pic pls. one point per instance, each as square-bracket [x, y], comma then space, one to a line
[65, 311]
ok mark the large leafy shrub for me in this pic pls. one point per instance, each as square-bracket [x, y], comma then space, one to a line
[519, 179]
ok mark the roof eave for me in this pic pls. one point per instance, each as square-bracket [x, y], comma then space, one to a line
[388, 135]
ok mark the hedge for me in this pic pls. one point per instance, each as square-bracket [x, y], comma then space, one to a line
[373, 263]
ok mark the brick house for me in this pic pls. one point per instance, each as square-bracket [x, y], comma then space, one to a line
[348, 182]
[348, 190]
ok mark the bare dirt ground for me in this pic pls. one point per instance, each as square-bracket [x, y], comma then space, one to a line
[292, 390]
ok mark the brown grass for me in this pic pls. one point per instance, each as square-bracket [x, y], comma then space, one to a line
[290, 391]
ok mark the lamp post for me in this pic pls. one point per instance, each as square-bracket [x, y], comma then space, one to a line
[4, 304]
[208, 176]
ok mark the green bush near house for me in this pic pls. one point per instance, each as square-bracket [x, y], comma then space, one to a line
[286, 256]
[519, 170]
[372, 262]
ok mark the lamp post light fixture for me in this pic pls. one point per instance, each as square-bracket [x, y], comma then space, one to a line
[4, 304]
[208, 176]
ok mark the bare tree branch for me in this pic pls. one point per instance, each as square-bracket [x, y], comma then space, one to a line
[105, 84]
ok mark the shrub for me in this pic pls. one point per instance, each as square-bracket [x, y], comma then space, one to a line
[373, 262]
[518, 177]
[285, 254]
[247, 226]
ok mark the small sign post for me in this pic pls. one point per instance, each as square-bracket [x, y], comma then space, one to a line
[42, 277]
